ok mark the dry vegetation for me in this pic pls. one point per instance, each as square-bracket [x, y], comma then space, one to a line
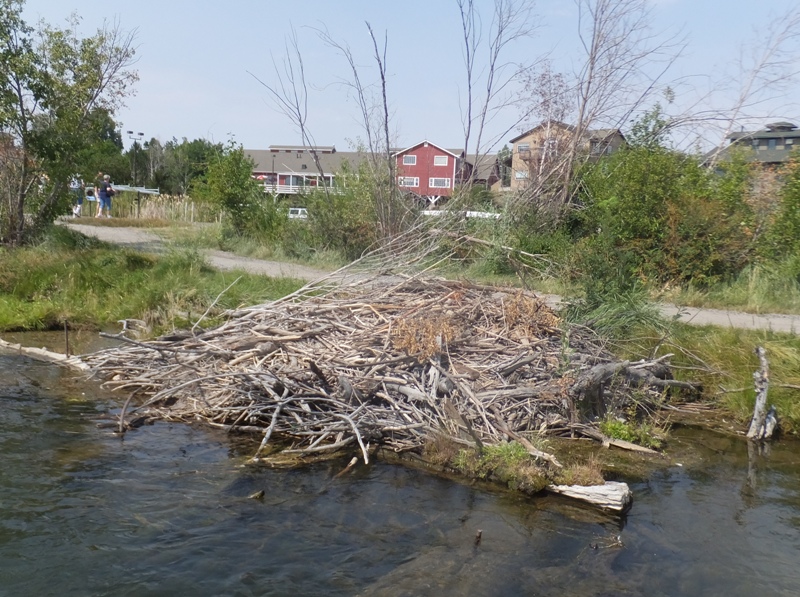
[385, 362]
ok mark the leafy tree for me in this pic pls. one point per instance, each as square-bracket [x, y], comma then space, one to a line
[658, 215]
[186, 163]
[52, 85]
[230, 184]
[346, 220]
[783, 239]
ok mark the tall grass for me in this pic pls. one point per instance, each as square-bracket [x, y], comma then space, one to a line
[88, 284]
[160, 207]
[723, 361]
[763, 288]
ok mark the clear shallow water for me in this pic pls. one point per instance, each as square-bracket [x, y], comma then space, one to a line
[165, 511]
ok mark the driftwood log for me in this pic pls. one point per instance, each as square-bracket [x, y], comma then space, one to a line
[613, 495]
[43, 354]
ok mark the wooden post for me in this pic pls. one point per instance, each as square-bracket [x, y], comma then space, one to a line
[66, 338]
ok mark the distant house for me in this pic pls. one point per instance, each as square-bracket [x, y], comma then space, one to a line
[536, 151]
[429, 171]
[292, 169]
[424, 169]
[773, 145]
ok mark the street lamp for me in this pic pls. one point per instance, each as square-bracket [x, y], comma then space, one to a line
[137, 138]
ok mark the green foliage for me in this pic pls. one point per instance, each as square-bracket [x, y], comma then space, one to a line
[229, 184]
[504, 159]
[643, 434]
[53, 86]
[722, 359]
[650, 131]
[658, 215]
[783, 239]
[181, 164]
[508, 463]
[344, 219]
[616, 315]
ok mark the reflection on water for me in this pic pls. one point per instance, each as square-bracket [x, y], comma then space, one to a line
[165, 511]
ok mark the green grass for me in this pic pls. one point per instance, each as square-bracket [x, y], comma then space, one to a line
[723, 361]
[88, 284]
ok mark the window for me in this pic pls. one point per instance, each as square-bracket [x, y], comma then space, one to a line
[440, 160]
[773, 143]
[524, 148]
[407, 181]
[409, 160]
[520, 174]
[439, 183]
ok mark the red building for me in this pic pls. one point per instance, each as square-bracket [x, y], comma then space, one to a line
[427, 170]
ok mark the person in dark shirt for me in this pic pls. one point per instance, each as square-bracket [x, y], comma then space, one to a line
[104, 193]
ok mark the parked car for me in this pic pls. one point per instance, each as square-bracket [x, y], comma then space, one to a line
[298, 213]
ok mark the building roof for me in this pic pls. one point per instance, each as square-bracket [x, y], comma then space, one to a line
[455, 153]
[776, 130]
[593, 134]
[286, 159]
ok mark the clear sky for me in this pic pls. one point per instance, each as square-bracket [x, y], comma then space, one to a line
[195, 56]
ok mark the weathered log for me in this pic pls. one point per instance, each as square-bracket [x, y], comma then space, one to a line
[43, 354]
[763, 424]
[613, 495]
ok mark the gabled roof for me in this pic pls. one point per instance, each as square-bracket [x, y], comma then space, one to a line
[551, 123]
[407, 149]
[593, 134]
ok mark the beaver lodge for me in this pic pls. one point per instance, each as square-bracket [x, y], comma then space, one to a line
[384, 362]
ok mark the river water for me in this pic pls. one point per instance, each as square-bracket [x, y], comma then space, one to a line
[165, 511]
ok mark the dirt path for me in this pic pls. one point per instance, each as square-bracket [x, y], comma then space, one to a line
[141, 239]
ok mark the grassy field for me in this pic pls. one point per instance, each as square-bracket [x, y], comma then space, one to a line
[88, 284]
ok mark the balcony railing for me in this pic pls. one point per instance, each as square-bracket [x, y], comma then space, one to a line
[295, 189]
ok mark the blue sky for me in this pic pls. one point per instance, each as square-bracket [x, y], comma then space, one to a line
[195, 56]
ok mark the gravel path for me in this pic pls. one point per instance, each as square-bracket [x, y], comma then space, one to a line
[141, 239]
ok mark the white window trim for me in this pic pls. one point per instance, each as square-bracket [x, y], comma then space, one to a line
[432, 183]
[520, 174]
[408, 181]
[437, 160]
[409, 160]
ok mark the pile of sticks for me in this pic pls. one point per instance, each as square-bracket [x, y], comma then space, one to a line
[366, 363]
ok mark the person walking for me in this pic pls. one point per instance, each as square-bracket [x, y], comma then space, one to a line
[104, 193]
[77, 187]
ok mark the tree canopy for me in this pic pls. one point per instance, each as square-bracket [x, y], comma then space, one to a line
[58, 93]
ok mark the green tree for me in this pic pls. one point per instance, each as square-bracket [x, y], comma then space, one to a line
[186, 163]
[658, 215]
[52, 83]
[783, 239]
[229, 183]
